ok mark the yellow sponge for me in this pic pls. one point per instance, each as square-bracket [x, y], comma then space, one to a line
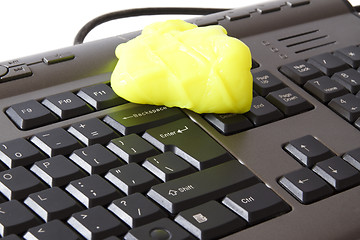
[177, 64]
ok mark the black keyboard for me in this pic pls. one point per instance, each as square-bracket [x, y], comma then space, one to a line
[79, 162]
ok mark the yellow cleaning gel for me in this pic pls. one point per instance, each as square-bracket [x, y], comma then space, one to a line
[177, 64]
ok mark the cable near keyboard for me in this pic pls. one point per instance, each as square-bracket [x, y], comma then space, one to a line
[120, 174]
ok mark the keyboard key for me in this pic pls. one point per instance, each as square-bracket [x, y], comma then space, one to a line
[11, 237]
[263, 112]
[229, 123]
[349, 78]
[328, 64]
[131, 178]
[265, 82]
[136, 210]
[337, 173]
[210, 220]
[347, 106]
[93, 190]
[57, 171]
[66, 105]
[30, 114]
[18, 183]
[96, 223]
[161, 229]
[300, 71]
[138, 118]
[350, 55]
[132, 148]
[95, 159]
[52, 203]
[297, 3]
[289, 102]
[10, 220]
[19, 152]
[185, 192]
[256, 204]
[353, 157]
[168, 166]
[201, 152]
[325, 89]
[92, 131]
[100, 96]
[54, 230]
[55, 142]
[308, 150]
[305, 185]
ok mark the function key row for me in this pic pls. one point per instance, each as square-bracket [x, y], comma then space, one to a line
[31, 114]
[272, 101]
[323, 173]
[334, 79]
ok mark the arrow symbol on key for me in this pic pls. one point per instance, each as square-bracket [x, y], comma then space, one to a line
[172, 192]
[127, 117]
[304, 147]
[182, 130]
[303, 181]
[41, 230]
[333, 170]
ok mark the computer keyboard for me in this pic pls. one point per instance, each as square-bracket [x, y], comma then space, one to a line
[79, 162]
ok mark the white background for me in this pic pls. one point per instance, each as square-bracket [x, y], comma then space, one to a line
[31, 27]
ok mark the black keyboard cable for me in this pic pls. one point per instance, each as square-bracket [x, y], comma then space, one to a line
[83, 32]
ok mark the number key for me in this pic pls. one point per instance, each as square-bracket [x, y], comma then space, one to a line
[19, 152]
[347, 106]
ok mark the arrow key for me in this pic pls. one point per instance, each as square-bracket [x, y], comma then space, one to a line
[55, 230]
[308, 150]
[338, 173]
[305, 185]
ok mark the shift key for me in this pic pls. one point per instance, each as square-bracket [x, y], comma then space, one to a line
[197, 188]
[187, 140]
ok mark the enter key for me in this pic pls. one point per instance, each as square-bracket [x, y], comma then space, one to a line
[189, 141]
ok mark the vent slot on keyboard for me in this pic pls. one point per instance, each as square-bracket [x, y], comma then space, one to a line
[305, 41]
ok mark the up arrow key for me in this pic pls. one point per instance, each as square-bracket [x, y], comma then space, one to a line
[308, 150]
[41, 230]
